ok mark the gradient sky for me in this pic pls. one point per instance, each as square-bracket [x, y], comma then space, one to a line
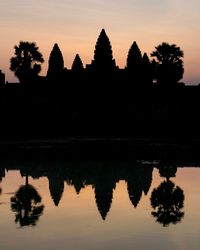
[76, 24]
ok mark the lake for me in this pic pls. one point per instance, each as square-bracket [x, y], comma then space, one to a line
[99, 205]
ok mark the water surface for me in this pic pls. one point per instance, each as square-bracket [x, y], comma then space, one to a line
[99, 205]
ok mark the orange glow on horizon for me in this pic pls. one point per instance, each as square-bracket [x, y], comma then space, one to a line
[75, 26]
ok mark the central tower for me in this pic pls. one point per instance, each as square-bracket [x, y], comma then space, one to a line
[103, 57]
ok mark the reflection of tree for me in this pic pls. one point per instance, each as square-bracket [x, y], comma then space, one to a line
[167, 201]
[26, 204]
[167, 171]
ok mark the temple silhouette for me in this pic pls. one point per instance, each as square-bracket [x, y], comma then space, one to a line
[2, 78]
[103, 180]
[167, 199]
[143, 100]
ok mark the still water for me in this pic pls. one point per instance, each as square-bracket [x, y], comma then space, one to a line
[99, 205]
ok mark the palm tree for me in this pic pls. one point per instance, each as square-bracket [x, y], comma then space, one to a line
[169, 63]
[26, 64]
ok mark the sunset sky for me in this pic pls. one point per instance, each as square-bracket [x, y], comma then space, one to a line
[76, 24]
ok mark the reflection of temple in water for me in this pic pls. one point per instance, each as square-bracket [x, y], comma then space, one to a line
[104, 194]
[137, 182]
[102, 176]
[56, 187]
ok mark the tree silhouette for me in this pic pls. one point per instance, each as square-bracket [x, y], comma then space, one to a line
[26, 64]
[56, 63]
[77, 65]
[103, 57]
[167, 201]
[26, 204]
[169, 68]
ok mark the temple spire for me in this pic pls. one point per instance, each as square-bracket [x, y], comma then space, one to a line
[77, 64]
[56, 62]
[134, 57]
[103, 56]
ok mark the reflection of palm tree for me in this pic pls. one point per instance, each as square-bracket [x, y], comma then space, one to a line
[167, 201]
[167, 171]
[26, 203]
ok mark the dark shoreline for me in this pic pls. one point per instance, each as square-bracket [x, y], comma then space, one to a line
[103, 149]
